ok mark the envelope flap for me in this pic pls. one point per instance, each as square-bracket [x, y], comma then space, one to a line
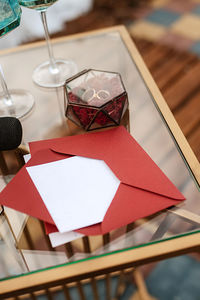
[126, 158]
[87, 143]
[130, 204]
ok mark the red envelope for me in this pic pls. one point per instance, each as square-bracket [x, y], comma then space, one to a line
[144, 189]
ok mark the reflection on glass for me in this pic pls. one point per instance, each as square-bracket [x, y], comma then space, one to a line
[16, 103]
[54, 72]
[11, 260]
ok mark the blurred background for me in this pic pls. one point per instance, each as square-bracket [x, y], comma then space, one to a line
[167, 35]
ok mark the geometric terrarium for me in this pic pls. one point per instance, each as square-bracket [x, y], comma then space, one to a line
[95, 99]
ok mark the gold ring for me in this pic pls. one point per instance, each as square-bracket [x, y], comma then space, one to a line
[90, 94]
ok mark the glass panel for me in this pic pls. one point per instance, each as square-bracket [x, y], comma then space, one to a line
[11, 260]
[116, 108]
[106, 52]
[101, 120]
[94, 88]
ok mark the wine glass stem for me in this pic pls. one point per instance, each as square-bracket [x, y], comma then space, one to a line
[53, 67]
[7, 98]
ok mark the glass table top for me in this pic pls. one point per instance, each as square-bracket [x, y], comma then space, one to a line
[104, 51]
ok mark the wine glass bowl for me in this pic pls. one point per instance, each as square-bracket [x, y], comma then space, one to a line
[37, 4]
[54, 72]
[10, 15]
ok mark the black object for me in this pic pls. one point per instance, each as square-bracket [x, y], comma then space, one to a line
[10, 133]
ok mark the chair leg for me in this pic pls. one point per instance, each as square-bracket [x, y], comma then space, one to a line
[19, 153]
[3, 165]
[142, 292]
[121, 286]
[16, 241]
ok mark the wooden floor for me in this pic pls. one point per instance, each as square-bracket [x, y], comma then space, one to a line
[177, 75]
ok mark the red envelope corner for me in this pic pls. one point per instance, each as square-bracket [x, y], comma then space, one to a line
[143, 191]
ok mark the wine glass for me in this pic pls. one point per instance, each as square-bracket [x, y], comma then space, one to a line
[52, 73]
[16, 103]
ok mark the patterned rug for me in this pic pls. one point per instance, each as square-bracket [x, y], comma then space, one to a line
[170, 22]
[175, 23]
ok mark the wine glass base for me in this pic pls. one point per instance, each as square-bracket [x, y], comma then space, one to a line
[44, 77]
[22, 103]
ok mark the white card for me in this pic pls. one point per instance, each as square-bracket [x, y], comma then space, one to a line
[27, 157]
[77, 191]
[58, 238]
